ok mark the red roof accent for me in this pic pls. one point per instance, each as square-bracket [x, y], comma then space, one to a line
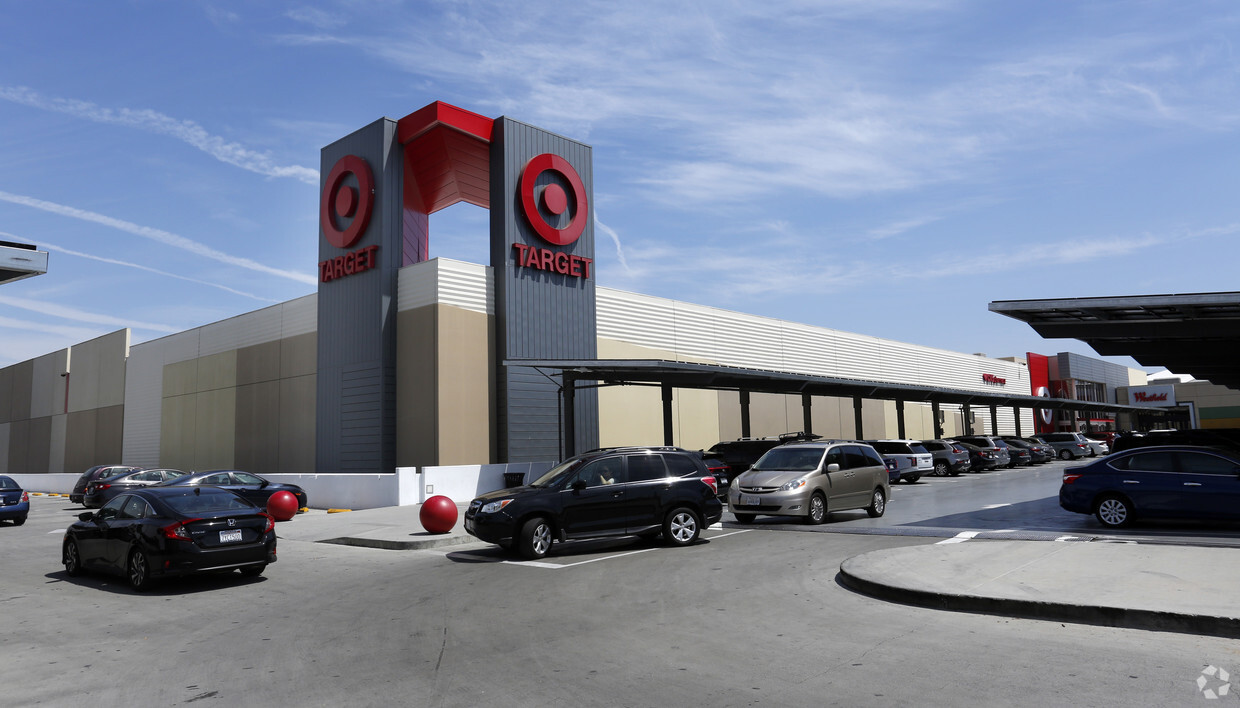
[447, 157]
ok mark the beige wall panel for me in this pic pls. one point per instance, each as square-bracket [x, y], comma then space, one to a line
[177, 426]
[48, 386]
[56, 453]
[216, 427]
[768, 415]
[417, 421]
[830, 419]
[40, 435]
[181, 378]
[299, 355]
[630, 415]
[19, 393]
[258, 363]
[217, 371]
[466, 375]
[729, 407]
[109, 433]
[80, 442]
[696, 418]
[297, 424]
[6, 394]
[258, 426]
[19, 447]
[97, 372]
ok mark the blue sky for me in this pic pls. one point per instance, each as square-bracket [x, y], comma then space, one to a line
[887, 167]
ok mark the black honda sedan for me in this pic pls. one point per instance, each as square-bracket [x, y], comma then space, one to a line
[166, 531]
[632, 491]
[246, 484]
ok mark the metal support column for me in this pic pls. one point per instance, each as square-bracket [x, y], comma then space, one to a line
[570, 414]
[667, 415]
[807, 413]
[994, 420]
[900, 419]
[938, 419]
[1016, 412]
[744, 414]
[966, 415]
[857, 416]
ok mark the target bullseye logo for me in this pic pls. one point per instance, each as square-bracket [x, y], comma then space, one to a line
[1044, 413]
[341, 200]
[553, 198]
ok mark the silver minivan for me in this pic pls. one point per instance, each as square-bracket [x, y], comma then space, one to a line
[810, 480]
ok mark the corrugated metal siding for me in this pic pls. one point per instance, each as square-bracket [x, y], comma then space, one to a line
[699, 333]
[356, 314]
[539, 314]
[443, 281]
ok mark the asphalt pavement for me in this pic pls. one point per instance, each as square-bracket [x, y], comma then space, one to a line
[1161, 587]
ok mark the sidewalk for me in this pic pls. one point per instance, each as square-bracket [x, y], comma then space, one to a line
[1186, 589]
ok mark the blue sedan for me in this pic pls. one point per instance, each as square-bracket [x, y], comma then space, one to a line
[1171, 482]
[14, 501]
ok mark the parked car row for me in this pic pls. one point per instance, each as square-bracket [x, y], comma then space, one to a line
[161, 522]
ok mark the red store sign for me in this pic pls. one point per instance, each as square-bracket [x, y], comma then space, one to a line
[992, 379]
[340, 200]
[554, 200]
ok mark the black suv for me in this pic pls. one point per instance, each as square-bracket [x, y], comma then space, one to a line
[629, 491]
[739, 455]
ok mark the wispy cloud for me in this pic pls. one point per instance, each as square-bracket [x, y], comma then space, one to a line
[71, 313]
[148, 269]
[157, 235]
[186, 131]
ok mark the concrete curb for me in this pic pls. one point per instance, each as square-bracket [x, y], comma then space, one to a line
[852, 577]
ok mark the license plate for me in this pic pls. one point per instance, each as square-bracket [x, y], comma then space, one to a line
[750, 501]
[230, 536]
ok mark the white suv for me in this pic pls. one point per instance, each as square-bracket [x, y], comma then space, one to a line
[912, 458]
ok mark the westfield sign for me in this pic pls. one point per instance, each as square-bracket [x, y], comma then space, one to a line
[1143, 397]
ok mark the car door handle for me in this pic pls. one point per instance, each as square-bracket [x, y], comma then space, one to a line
[1192, 484]
[1131, 481]
[617, 494]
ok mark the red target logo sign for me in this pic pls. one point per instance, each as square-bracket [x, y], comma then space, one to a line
[554, 199]
[339, 200]
[342, 201]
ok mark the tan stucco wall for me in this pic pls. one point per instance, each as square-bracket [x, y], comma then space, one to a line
[445, 382]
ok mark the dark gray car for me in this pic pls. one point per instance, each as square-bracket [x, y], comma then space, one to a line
[950, 458]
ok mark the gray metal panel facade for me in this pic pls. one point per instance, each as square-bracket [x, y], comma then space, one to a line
[357, 321]
[540, 314]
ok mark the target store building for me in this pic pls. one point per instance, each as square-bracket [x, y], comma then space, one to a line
[403, 364]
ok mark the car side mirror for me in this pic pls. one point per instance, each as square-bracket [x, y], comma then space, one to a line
[264, 484]
[578, 485]
[86, 516]
[833, 467]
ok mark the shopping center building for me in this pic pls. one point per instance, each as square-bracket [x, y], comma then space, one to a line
[400, 361]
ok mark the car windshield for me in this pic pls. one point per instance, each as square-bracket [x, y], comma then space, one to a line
[792, 459]
[8, 483]
[557, 473]
[919, 449]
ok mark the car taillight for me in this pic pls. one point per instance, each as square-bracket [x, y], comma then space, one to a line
[271, 523]
[712, 483]
[100, 486]
[25, 497]
[1070, 477]
[177, 531]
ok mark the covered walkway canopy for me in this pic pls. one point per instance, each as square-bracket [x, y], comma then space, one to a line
[1196, 333]
[670, 375]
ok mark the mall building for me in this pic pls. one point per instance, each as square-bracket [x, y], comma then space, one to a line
[400, 361]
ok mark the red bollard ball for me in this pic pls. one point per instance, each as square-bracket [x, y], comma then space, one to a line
[438, 514]
[282, 506]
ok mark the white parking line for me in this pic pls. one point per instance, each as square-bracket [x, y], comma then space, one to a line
[960, 537]
[557, 566]
[995, 506]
